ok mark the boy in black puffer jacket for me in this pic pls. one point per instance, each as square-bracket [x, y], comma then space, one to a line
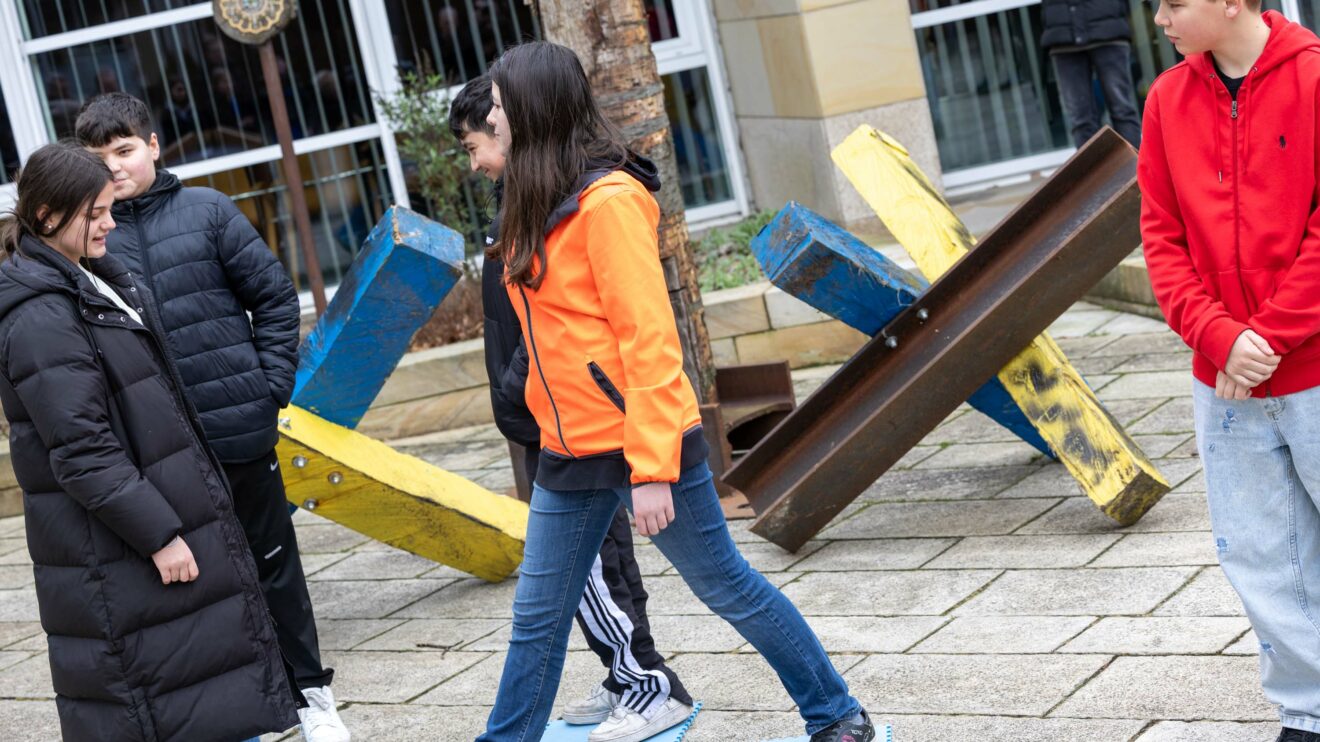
[208, 270]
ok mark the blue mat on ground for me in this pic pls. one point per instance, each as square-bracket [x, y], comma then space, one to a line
[558, 731]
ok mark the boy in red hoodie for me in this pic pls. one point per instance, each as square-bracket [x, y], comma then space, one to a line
[1229, 173]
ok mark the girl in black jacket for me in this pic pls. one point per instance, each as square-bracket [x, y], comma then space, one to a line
[149, 598]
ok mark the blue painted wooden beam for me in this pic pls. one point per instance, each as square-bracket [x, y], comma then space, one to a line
[405, 269]
[825, 266]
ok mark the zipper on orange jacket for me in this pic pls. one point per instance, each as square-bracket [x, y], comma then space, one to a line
[531, 339]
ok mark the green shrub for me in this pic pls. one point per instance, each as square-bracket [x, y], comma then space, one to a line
[724, 258]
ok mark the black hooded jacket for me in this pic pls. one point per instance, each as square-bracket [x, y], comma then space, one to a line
[208, 268]
[506, 355]
[112, 464]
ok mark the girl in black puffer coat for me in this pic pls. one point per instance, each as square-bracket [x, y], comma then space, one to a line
[148, 594]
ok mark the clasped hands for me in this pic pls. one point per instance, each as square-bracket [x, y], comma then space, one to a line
[1251, 363]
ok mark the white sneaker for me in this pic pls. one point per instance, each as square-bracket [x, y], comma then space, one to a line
[320, 720]
[626, 725]
[593, 709]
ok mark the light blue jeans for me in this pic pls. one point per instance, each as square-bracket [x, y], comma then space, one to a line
[564, 534]
[1262, 473]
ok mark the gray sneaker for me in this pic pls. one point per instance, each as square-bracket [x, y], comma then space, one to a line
[593, 709]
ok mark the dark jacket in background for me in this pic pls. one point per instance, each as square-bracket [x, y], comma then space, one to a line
[208, 268]
[113, 466]
[1079, 23]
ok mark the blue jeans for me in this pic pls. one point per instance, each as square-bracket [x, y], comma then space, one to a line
[1262, 474]
[564, 534]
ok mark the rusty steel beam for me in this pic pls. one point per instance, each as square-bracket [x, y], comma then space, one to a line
[1040, 260]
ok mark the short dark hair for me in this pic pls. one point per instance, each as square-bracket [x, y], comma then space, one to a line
[468, 112]
[110, 115]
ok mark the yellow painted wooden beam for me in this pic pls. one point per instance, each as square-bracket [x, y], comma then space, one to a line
[1111, 468]
[398, 499]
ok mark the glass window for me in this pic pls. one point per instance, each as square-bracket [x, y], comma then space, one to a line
[49, 17]
[206, 91]
[347, 192]
[457, 39]
[660, 19]
[8, 147]
[702, 166]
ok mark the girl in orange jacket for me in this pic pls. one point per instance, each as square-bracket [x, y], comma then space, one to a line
[618, 418]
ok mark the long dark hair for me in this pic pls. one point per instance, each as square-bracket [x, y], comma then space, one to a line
[63, 178]
[557, 134]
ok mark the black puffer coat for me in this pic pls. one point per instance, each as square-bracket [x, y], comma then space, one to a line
[112, 466]
[1083, 22]
[207, 268]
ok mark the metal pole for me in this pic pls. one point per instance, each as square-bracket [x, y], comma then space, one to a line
[302, 219]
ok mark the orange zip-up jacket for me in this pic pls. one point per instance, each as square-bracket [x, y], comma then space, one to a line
[605, 379]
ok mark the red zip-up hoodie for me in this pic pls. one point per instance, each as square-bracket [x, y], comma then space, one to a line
[1229, 217]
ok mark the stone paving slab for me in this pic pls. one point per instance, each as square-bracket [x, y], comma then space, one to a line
[1159, 445]
[970, 684]
[377, 565]
[1081, 592]
[963, 455]
[27, 679]
[1186, 688]
[1023, 552]
[947, 484]
[1009, 729]
[1208, 594]
[1158, 635]
[1049, 480]
[874, 554]
[934, 519]
[368, 598]
[15, 631]
[874, 635]
[1248, 644]
[433, 634]
[928, 593]
[1209, 731]
[19, 605]
[394, 677]
[1192, 548]
[1174, 416]
[469, 598]
[1160, 384]
[347, 633]
[29, 721]
[1004, 634]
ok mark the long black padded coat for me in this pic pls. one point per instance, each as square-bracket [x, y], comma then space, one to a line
[112, 466]
[207, 269]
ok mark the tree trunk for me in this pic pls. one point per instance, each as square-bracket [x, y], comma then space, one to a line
[612, 39]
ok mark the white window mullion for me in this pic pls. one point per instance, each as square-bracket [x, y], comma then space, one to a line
[381, 65]
[22, 97]
[1292, 9]
[272, 152]
[103, 31]
[720, 95]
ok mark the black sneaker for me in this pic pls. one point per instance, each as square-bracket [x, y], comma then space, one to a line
[1297, 735]
[856, 729]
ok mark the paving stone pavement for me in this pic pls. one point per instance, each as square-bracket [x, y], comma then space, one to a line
[971, 593]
